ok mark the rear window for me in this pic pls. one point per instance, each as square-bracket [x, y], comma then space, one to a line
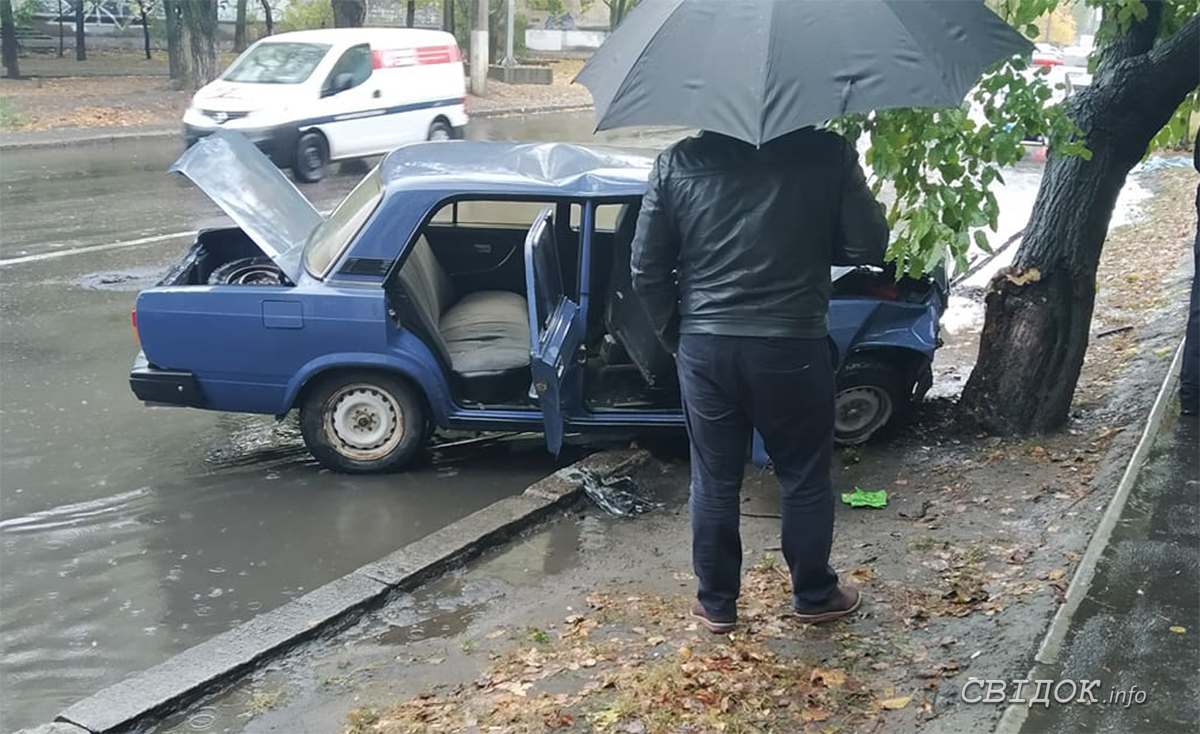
[277, 63]
[330, 238]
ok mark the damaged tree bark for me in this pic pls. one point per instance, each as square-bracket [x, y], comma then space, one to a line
[1039, 310]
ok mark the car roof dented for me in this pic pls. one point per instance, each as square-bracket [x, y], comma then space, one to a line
[546, 169]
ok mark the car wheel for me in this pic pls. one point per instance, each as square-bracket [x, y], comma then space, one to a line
[869, 395]
[359, 422]
[247, 271]
[312, 155]
[439, 130]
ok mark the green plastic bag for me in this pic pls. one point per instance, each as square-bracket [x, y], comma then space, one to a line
[859, 498]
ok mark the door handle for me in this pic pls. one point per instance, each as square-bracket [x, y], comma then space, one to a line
[377, 94]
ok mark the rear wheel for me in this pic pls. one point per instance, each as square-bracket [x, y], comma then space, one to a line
[312, 157]
[440, 130]
[869, 394]
[361, 421]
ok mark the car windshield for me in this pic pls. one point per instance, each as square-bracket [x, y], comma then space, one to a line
[277, 63]
[327, 241]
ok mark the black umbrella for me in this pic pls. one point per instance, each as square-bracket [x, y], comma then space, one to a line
[758, 69]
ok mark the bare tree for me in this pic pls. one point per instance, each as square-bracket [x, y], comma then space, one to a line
[8, 39]
[239, 27]
[200, 34]
[410, 17]
[80, 47]
[144, 9]
[349, 13]
[448, 16]
[268, 17]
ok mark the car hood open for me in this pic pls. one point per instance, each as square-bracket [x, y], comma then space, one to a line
[255, 194]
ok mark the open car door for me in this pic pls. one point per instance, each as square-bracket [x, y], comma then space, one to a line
[555, 328]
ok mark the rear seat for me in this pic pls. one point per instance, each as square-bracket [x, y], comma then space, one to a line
[484, 335]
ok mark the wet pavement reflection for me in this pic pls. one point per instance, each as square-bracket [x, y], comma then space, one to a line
[128, 534]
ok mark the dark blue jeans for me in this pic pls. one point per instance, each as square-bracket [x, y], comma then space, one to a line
[784, 388]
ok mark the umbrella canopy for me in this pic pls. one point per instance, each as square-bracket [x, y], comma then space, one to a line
[759, 69]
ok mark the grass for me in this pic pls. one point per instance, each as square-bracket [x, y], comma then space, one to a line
[361, 720]
[10, 119]
[263, 701]
[922, 543]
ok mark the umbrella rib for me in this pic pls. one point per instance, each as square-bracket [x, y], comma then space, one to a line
[765, 76]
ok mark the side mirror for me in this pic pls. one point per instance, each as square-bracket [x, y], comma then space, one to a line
[341, 83]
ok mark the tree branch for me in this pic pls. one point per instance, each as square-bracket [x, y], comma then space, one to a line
[1137, 39]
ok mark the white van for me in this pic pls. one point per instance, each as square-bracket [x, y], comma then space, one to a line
[311, 97]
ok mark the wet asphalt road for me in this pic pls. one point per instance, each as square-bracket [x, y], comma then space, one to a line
[1138, 629]
[128, 534]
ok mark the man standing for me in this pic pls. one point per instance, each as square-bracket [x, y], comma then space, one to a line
[731, 260]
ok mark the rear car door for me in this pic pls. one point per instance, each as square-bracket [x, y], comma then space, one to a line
[556, 328]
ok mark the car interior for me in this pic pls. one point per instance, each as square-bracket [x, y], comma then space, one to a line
[462, 289]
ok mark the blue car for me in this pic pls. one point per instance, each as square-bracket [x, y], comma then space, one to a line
[461, 285]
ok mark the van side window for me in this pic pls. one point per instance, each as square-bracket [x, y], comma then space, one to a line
[356, 61]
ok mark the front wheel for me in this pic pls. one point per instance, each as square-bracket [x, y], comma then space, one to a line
[360, 422]
[440, 130]
[869, 395]
[312, 156]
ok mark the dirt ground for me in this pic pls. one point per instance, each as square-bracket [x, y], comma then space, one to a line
[137, 94]
[583, 626]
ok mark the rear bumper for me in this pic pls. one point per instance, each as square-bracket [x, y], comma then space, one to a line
[156, 386]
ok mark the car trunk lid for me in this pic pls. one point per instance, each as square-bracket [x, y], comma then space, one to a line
[255, 194]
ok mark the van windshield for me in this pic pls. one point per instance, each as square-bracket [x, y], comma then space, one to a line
[277, 63]
[327, 241]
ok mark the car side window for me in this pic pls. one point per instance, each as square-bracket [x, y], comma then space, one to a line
[356, 61]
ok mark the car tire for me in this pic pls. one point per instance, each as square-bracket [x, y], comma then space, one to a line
[440, 130]
[870, 394]
[360, 421]
[248, 271]
[312, 157]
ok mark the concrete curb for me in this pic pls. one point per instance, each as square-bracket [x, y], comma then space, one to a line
[1014, 716]
[108, 138]
[221, 660]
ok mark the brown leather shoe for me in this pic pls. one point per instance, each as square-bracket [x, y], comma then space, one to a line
[715, 626]
[844, 600]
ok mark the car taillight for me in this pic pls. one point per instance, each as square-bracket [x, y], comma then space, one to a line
[133, 318]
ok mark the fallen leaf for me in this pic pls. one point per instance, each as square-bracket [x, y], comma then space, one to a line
[1056, 574]
[862, 574]
[896, 703]
[1179, 630]
[496, 633]
[435, 661]
[827, 678]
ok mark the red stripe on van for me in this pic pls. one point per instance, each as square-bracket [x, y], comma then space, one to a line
[394, 58]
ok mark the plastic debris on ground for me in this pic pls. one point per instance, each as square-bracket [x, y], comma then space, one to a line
[618, 496]
[1157, 163]
[859, 498]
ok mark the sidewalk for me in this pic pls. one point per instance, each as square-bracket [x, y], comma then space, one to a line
[1139, 627]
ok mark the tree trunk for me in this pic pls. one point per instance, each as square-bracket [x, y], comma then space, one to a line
[80, 46]
[8, 40]
[268, 18]
[349, 13]
[200, 35]
[145, 27]
[1039, 310]
[410, 18]
[175, 61]
[448, 16]
[239, 27]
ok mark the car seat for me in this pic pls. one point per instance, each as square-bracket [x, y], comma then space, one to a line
[626, 317]
[482, 336]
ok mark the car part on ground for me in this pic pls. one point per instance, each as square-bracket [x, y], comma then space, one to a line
[360, 421]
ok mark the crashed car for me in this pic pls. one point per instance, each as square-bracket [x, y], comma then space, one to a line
[461, 285]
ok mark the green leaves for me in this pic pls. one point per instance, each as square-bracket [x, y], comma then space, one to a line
[936, 168]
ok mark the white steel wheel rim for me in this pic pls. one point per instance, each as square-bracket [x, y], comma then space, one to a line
[859, 411]
[364, 422]
[439, 133]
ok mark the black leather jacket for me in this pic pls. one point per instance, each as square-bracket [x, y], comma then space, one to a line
[738, 241]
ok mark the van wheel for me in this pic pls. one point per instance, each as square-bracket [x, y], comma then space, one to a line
[312, 156]
[869, 394]
[360, 421]
[440, 130]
